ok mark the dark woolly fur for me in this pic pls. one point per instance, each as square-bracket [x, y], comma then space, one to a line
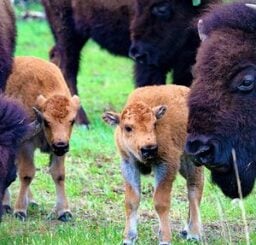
[107, 22]
[13, 127]
[7, 40]
[221, 115]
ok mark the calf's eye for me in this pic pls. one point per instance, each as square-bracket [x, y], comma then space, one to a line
[72, 122]
[247, 83]
[128, 129]
[46, 123]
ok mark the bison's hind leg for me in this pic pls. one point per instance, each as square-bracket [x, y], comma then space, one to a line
[195, 181]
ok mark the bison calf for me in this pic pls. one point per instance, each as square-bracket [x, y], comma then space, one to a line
[40, 84]
[150, 134]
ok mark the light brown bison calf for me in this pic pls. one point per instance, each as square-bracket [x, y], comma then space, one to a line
[150, 134]
[38, 83]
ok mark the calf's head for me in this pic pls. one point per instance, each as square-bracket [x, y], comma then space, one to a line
[138, 129]
[222, 102]
[159, 29]
[58, 114]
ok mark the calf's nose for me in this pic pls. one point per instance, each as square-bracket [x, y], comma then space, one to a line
[149, 151]
[60, 148]
[201, 149]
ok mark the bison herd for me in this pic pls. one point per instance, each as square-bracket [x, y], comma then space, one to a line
[165, 129]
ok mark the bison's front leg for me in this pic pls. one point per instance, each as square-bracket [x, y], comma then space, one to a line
[164, 177]
[7, 202]
[132, 199]
[26, 172]
[57, 170]
[195, 183]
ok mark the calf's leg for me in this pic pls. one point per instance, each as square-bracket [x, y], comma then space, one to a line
[57, 170]
[26, 172]
[195, 183]
[132, 199]
[164, 178]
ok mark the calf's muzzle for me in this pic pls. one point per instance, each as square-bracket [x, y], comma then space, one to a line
[149, 152]
[60, 148]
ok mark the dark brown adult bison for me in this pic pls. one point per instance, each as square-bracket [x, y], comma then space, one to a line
[7, 40]
[13, 128]
[161, 33]
[223, 97]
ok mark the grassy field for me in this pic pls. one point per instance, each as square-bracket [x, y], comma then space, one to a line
[94, 183]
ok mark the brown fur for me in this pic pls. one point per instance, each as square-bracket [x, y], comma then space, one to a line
[38, 83]
[7, 40]
[150, 126]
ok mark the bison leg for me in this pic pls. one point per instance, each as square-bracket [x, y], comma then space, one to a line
[163, 178]
[149, 75]
[57, 170]
[195, 182]
[7, 202]
[26, 172]
[132, 200]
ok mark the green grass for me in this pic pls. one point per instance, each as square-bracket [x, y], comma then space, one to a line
[94, 183]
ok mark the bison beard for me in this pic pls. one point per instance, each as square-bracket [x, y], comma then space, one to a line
[13, 128]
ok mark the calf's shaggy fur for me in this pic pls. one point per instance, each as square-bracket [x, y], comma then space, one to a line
[150, 135]
[13, 127]
[223, 97]
[38, 83]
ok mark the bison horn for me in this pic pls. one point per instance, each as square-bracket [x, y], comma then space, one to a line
[200, 27]
[250, 5]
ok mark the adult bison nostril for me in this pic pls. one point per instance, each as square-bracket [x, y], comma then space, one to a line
[138, 55]
[202, 153]
[149, 152]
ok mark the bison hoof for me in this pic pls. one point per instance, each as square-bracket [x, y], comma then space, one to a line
[20, 215]
[7, 209]
[65, 217]
[192, 237]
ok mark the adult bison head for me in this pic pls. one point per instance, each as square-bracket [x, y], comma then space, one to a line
[58, 114]
[222, 103]
[160, 30]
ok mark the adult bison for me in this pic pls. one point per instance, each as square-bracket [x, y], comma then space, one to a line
[223, 97]
[161, 34]
[7, 40]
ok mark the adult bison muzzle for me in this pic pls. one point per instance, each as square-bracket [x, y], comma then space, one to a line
[223, 98]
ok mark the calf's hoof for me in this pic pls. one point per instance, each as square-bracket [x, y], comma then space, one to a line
[129, 242]
[7, 209]
[188, 236]
[164, 243]
[65, 217]
[20, 215]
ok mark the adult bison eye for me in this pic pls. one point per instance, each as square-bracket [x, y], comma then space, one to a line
[162, 10]
[128, 129]
[247, 84]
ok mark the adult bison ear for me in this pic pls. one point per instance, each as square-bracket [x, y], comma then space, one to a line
[160, 111]
[40, 100]
[75, 101]
[200, 28]
[111, 118]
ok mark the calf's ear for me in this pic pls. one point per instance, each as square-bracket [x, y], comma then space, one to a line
[200, 29]
[111, 118]
[160, 111]
[40, 100]
[75, 101]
